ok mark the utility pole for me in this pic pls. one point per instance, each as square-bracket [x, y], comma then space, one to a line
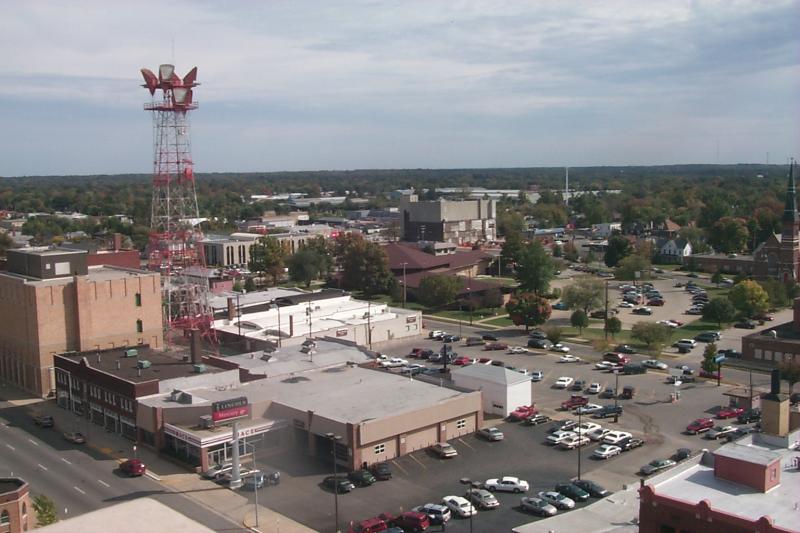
[404, 285]
[469, 282]
[605, 322]
[369, 323]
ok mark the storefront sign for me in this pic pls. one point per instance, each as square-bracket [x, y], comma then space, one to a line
[341, 333]
[411, 319]
[232, 409]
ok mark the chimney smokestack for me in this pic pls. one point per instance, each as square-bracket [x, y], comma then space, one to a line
[775, 383]
[117, 242]
[195, 346]
[231, 308]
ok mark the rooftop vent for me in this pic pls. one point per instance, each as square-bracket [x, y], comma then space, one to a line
[295, 379]
[133, 352]
[199, 368]
[206, 422]
[144, 364]
[185, 397]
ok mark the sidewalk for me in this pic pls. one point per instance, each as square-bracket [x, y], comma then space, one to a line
[217, 499]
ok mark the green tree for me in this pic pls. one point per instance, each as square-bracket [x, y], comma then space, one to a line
[324, 250]
[305, 266]
[716, 278]
[790, 371]
[779, 293]
[613, 325]
[528, 309]
[708, 364]
[553, 333]
[558, 251]
[492, 298]
[579, 320]
[364, 265]
[629, 266]
[534, 269]
[570, 252]
[749, 298]
[652, 334]
[267, 258]
[729, 234]
[439, 290]
[6, 242]
[45, 510]
[585, 293]
[618, 248]
[238, 286]
[249, 284]
[510, 223]
[719, 310]
[509, 253]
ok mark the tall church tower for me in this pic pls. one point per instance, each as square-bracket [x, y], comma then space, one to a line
[790, 234]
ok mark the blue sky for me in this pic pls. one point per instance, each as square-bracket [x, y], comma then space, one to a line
[302, 85]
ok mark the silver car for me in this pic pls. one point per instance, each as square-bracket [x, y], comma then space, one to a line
[557, 499]
[483, 499]
[491, 434]
[537, 506]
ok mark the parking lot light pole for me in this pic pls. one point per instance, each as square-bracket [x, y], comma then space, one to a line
[467, 482]
[580, 435]
[616, 396]
[334, 439]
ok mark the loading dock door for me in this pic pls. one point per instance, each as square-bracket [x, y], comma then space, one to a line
[421, 439]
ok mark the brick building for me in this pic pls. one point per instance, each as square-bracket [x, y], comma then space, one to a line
[51, 301]
[16, 514]
[777, 344]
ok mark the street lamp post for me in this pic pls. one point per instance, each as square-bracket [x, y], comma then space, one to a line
[404, 284]
[605, 322]
[580, 436]
[469, 303]
[616, 396]
[334, 439]
[467, 482]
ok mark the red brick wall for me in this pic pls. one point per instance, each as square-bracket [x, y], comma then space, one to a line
[120, 258]
[749, 474]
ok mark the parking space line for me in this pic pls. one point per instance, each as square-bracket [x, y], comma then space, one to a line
[33, 442]
[66, 461]
[418, 462]
[40, 465]
[399, 467]
[10, 447]
[103, 483]
[462, 441]
[79, 490]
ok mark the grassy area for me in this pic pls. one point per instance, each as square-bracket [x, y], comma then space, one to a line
[693, 328]
[503, 321]
[623, 337]
[478, 314]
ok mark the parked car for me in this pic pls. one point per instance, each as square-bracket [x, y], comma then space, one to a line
[656, 465]
[495, 346]
[560, 306]
[537, 375]
[598, 434]
[615, 437]
[75, 437]
[340, 484]
[491, 434]
[630, 443]
[535, 420]
[408, 521]
[642, 311]
[507, 484]
[381, 471]
[488, 337]
[624, 348]
[655, 363]
[655, 302]
[628, 392]
[537, 506]
[558, 436]
[361, 477]
[615, 358]
[563, 425]
[608, 392]
[606, 451]
[133, 467]
[594, 388]
[603, 365]
[444, 450]
[751, 415]
[482, 498]
[573, 402]
[254, 480]
[681, 454]
[572, 492]
[563, 382]
[588, 409]
[45, 421]
[556, 499]
[542, 344]
[560, 348]
[634, 368]
[462, 361]
[567, 358]
[460, 506]
[745, 324]
[573, 441]
[708, 336]
[685, 343]
[730, 353]
[413, 369]
[536, 334]
[717, 432]
[729, 412]
[437, 514]
[700, 425]
[450, 338]
[763, 316]
[595, 490]
[522, 412]
[393, 362]
[475, 341]
[217, 470]
[517, 350]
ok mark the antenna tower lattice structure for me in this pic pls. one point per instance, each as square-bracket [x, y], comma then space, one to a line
[174, 247]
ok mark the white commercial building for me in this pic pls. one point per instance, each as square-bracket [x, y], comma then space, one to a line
[503, 390]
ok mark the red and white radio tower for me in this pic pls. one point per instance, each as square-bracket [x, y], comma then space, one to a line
[174, 248]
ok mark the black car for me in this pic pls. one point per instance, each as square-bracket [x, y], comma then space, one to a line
[594, 489]
[564, 425]
[381, 471]
[730, 353]
[624, 348]
[535, 420]
[538, 335]
[578, 385]
[608, 410]
[45, 421]
[451, 338]
[572, 491]
[630, 443]
[542, 344]
[488, 337]
[681, 454]
[751, 415]
[363, 477]
[745, 324]
[426, 354]
[339, 484]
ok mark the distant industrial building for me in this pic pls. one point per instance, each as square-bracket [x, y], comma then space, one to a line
[51, 302]
[459, 222]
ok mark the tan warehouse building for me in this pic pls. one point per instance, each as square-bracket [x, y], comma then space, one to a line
[52, 302]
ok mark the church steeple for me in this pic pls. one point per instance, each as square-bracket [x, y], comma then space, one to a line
[790, 214]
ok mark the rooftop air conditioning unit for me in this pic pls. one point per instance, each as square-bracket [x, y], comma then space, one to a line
[206, 422]
[133, 352]
[199, 368]
[143, 364]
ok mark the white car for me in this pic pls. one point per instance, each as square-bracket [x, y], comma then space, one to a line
[686, 343]
[606, 451]
[517, 349]
[413, 368]
[594, 388]
[556, 499]
[507, 484]
[654, 363]
[568, 359]
[570, 443]
[393, 362]
[537, 375]
[615, 437]
[603, 365]
[559, 348]
[563, 382]
[598, 434]
[588, 409]
[626, 305]
[585, 428]
[668, 323]
[557, 436]
[459, 505]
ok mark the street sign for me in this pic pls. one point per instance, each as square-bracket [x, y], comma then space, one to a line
[720, 358]
[232, 409]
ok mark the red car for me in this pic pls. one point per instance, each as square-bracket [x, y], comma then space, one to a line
[676, 322]
[574, 402]
[415, 352]
[522, 412]
[655, 302]
[462, 361]
[496, 346]
[729, 412]
[133, 467]
[709, 375]
[764, 317]
[699, 426]
[408, 521]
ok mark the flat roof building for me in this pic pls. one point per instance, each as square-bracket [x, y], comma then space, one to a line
[16, 513]
[459, 222]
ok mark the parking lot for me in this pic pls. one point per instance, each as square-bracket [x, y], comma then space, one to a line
[421, 477]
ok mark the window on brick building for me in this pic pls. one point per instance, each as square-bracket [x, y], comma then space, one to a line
[380, 448]
[5, 518]
[138, 298]
[139, 327]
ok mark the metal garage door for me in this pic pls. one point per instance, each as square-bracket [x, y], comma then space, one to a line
[421, 439]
